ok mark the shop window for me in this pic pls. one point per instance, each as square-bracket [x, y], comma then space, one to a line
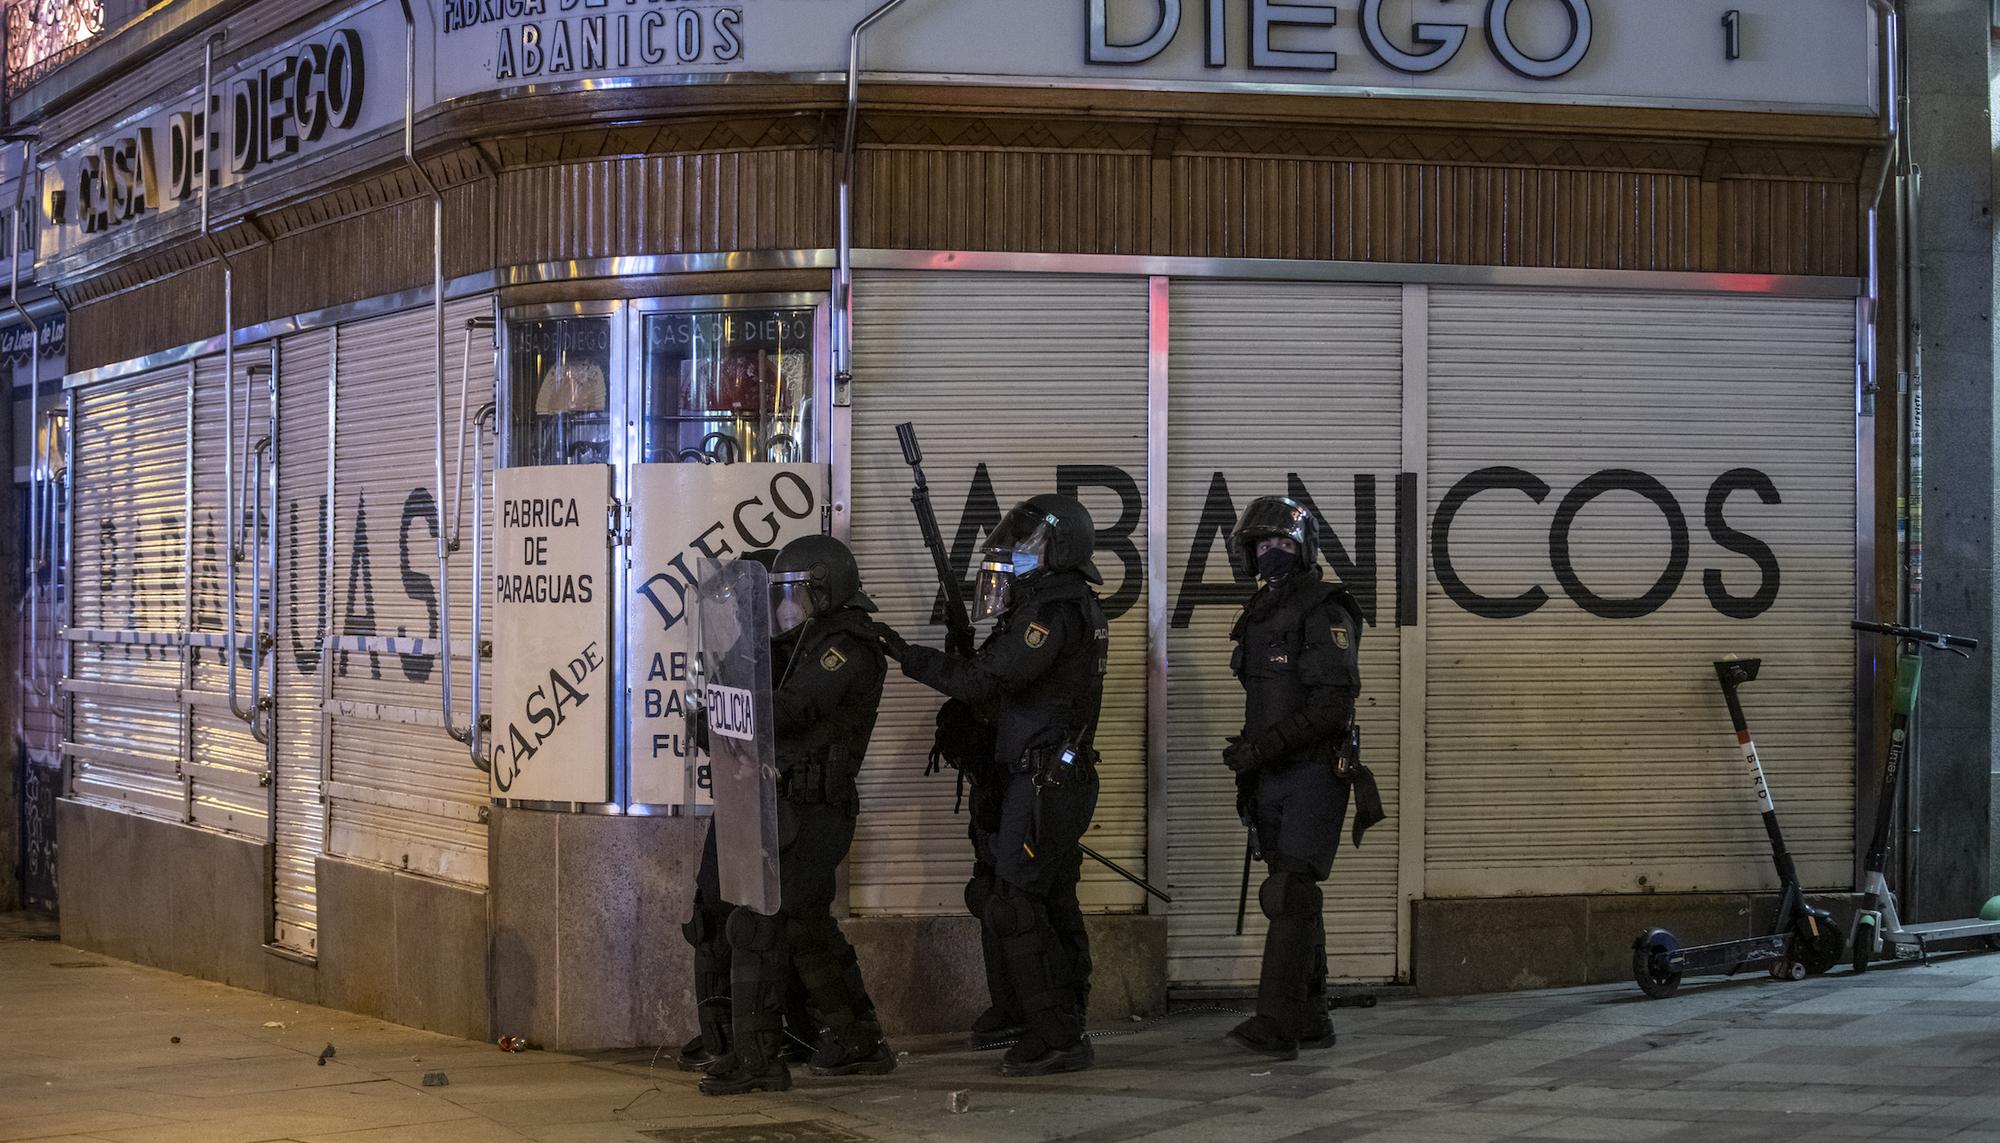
[561, 374]
[728, 386]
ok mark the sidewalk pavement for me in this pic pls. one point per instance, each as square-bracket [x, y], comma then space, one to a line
[88, 1052]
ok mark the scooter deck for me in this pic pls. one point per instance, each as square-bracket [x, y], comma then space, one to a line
[1931, 932]
[1727, 958]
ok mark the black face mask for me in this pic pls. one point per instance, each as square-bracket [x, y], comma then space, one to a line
[1276, 564]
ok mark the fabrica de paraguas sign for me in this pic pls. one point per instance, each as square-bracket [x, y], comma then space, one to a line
[1790, 54]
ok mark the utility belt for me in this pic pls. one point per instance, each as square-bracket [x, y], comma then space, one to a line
[1054, 768]
[825, 777]
[1058, 765]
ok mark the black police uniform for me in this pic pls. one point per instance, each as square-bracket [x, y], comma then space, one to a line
[1040, 674]
[829, 679]
[1296, 646]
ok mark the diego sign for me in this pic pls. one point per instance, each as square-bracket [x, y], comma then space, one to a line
[681, 514]
[1789, 54]
[313, 93]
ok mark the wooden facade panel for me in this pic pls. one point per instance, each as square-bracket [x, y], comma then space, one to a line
[1034, 201]
[1232, 207]
[1772, 226]
[666, 204]
[1020, 187]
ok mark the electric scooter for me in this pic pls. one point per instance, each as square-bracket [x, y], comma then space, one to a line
[1878, 930]
[1805, 939]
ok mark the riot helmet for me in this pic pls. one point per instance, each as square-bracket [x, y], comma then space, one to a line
[1278, 518]
[813, 577]
[1040, 534]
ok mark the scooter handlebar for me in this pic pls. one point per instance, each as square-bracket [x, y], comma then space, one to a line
[1936, 639]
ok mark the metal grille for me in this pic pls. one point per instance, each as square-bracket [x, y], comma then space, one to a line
[1277, 389]
[402, 793]
[230, 769]
[130, 454]
[1023, 381]
[304, 415]
[1571, 752]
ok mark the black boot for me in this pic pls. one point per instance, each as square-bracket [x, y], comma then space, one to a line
[853, 1044]
[857, 1049]
[1266, 1037]
[995, 1029]
[757, 1065]
[1316, 1033]
[1031, 1057]
[1291, 901]
[760, 972]
[711, 986]
[1053, 1041]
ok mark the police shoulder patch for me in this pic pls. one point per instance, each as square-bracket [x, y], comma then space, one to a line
[1340, 637]
[1035, 636]
[833, 660]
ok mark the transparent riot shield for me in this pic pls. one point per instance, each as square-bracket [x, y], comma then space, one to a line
[734, 612]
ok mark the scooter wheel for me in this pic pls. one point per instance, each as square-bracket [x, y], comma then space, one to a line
[1788, 969]
[1864, 944]
[1822, 952]
[1649, 965]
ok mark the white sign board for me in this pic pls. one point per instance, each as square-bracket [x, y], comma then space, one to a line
[1795, 55]
[552, 701]
[681, 513]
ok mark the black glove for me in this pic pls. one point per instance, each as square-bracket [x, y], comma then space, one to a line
[1242, 757]
[893, 645]
[697, 728]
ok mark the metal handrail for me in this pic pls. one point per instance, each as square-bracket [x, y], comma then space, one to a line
[476, 724]
[32, 593]
[260, 642]
[455, 537]
[843, 273]
[468, 732]
[444, 541]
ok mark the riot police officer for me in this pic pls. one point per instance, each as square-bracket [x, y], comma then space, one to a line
[1295, 655]
[1040, 675]
[828, 683]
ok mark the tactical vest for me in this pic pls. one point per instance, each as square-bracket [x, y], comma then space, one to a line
[1061, 706]
[1270, 637]
[822, 759]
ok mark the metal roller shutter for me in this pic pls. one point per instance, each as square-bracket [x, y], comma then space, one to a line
[230, 770]
[1578, 752]
[304, 417]
[401, 793]
[130, 457]
[1277, 389]
[1018, 384]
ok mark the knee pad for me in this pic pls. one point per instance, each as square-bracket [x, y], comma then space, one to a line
[752, 932]
[1285, 894]
[1012, 913]
[978, 892]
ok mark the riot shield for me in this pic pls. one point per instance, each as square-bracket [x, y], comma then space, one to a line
[734, 613]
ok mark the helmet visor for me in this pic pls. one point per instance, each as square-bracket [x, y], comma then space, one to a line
[993, 592]
[792, 604]
[1268, 517]
[1022, 540]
